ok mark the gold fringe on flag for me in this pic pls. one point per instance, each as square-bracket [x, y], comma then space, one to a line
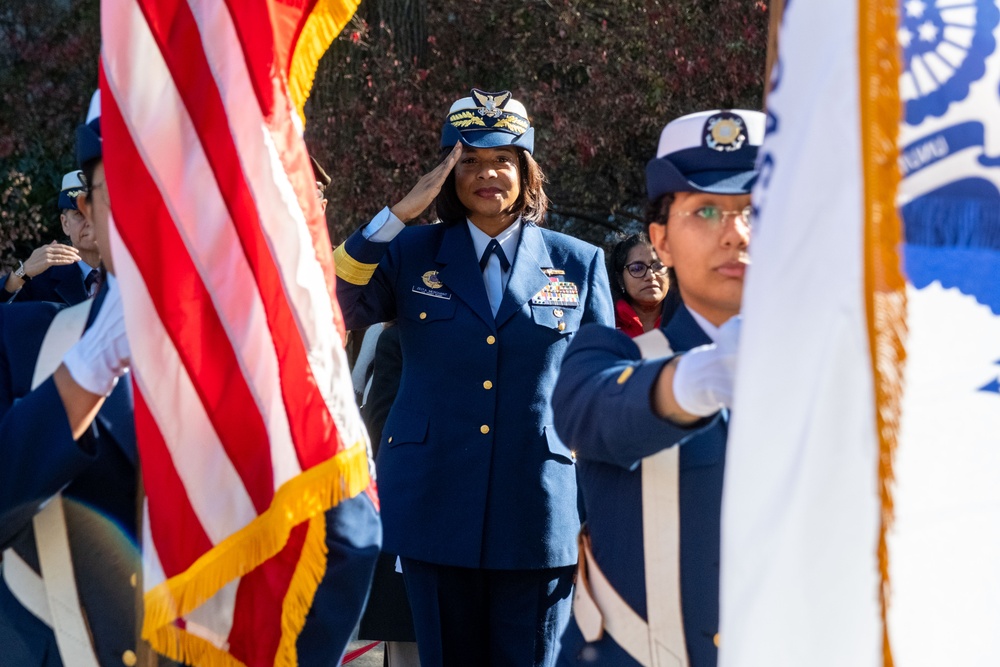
[305, 497]
[885, 286]
[298, 601]
[324, 23]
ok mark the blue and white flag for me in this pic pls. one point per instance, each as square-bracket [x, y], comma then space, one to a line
[861, 511]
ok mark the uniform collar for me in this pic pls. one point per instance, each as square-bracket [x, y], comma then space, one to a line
[507, 239]
[706, 326]
[684, 332]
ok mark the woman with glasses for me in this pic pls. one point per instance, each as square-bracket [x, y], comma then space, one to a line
[641, 286]
[648, 416]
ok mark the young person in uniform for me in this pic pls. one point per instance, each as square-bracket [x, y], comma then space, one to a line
[478, 493]
[648, 416]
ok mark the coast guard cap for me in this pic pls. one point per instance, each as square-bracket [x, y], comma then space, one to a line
[72, 185]
[88, 135]
[488, 120]
[708, 151]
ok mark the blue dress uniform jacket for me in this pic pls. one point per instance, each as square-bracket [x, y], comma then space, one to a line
[99, 475]
[470, 470]
[58, 284]
[607, 417]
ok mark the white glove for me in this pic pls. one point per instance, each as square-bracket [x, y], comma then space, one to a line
[102, 354]
[703, 379]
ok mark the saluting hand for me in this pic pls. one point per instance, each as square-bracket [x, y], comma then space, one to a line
[427, 188]
[47, 256]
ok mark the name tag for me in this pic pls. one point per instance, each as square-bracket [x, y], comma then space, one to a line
[426, 291]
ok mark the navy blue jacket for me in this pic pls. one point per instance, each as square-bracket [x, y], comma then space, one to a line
[612, 426]
[99, 476]
[470, 470]
[99, 473]
[58, 284]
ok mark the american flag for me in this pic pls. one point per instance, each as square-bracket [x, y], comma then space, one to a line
[244, 411]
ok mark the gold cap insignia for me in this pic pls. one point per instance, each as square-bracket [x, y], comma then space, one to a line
[725, 132]
[431, 280]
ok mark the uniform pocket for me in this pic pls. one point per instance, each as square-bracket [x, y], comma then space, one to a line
[405, 427]
[561, 319]
[428, 309]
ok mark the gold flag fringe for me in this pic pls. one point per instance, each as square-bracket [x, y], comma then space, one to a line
[308, 573]
[885, 286]
[322, 26]
[304, 498]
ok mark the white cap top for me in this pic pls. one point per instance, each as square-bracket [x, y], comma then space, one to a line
[72, 181]
[511, 106]
[688, 131]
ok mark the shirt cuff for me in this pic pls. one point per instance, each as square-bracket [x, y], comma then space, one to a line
[383, 228]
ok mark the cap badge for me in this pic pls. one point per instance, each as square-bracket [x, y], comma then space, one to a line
[431, 280]
[489, 114]
[491, 104]
[725, 132]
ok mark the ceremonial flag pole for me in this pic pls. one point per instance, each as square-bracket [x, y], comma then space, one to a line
[245, 417]
[861, 523]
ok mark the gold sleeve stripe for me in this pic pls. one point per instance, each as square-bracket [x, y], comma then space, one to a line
[350, 269]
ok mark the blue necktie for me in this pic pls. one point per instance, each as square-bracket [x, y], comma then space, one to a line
[92, 282]
[494, 276]
[494, 248]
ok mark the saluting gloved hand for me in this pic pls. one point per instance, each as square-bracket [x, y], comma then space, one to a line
[703, 379]
[102, 354]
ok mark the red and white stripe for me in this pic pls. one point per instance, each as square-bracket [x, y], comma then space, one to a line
[226, 273]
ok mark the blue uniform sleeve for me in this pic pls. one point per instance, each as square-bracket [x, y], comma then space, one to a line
[39, 454]
[599, 308]
[366, 272]
[36, 444]
[602, 401]
[9, 297]
[353, 541]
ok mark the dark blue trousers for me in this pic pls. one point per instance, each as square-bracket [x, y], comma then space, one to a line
[488, 618]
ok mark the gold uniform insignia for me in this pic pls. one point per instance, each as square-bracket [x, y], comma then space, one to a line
[431, 280]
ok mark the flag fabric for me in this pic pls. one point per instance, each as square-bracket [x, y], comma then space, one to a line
[861, 519]
[245, 415]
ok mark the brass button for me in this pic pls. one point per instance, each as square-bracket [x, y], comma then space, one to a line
[562, 326]
[715, 639]
[134, 580]
[490, 340]
[487, 385]
[390, 440]
[423, 316]
[484, 429]
[558, 312]
[129, 659]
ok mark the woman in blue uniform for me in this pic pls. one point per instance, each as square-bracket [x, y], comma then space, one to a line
[648, 417]
[478, 492]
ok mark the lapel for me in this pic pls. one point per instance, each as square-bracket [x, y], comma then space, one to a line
[460, 271]
[69, 284]
[683, 332]
[526, 277]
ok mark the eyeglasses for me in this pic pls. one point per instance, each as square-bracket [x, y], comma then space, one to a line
[714, 215]
[638, 269]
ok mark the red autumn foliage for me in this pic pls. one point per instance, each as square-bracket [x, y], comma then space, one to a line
[599, 80]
